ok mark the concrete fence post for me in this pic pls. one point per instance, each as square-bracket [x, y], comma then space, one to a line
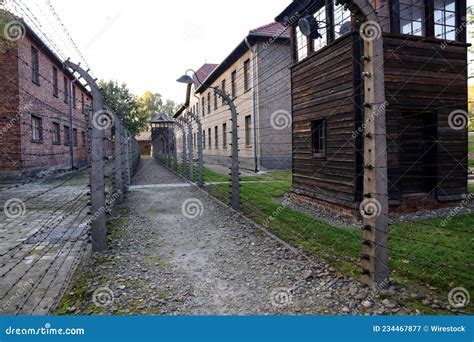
[97, 181]
[127, 159]
[175, 152]
[118, 160]
[235, 174]
[190, 148]
[199, 149]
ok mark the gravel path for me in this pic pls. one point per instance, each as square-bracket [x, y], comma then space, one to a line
[180, 252]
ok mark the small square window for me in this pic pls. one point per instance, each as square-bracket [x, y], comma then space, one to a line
[318, 137]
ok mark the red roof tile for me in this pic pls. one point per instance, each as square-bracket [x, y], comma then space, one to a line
[272, 29]
[203, 72]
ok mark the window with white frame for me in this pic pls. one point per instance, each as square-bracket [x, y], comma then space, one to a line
[412, 17]
[342, 20]
[445, 19]
[301, 45]
[320, 17]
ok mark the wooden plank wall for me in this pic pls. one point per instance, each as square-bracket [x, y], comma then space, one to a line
[323, 87]
[430, 77]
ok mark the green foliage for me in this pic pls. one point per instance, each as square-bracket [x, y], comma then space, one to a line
[5, 18]
[152, 103]
[124, 103]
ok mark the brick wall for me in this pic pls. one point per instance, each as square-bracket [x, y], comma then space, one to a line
[38, 99]
[10, 146]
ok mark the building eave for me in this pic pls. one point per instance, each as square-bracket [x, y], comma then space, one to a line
[234, 56]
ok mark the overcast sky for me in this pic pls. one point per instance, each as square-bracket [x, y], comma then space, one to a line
[149, 44]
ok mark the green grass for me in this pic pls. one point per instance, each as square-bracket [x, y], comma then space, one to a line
[422, 254]
[471, 188]
[471, 143]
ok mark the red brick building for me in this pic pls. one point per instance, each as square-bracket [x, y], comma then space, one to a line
[35, 124]
[144, 143]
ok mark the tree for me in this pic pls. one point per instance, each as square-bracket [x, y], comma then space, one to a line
[125, 104]
[152, 103]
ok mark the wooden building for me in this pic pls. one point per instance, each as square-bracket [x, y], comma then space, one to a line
[425, 64]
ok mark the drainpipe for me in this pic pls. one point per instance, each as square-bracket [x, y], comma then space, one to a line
[254, 97]
[71, 129]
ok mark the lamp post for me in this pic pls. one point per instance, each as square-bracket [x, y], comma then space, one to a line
[235, 196]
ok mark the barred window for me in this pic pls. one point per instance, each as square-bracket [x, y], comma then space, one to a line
[318, 132]
[35, 74]
[55, 82]
[36, 129]
[234, 88]
[412, 17]
[56, 134]
[248, 131]
[67, 136]
[247, 75]
[74, 136]
[223, 89]
[224, 136]
[445, 19]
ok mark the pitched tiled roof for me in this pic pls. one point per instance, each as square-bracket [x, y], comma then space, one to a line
[274, 30]
[161, 118]
[271, 30]
[203, 72]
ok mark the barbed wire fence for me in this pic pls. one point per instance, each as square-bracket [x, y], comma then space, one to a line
[54, 221]
[435, 252]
